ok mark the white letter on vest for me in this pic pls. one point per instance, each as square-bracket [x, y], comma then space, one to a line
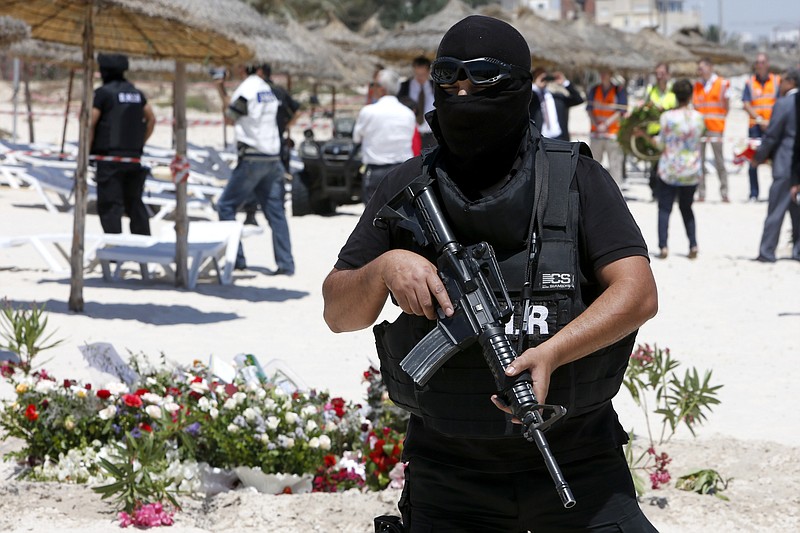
[538, 318]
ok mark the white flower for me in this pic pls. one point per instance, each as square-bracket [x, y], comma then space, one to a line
[233, 428]
[213, 412]
[290, 417]
[116, 388]
[45, 385]
[149, 397]
[108, 412]
[152, 381]
[285, 442]
[279, 392]
[264, 438]
[330, 426]
[325, 442]
[199, 387]
[238, 397]
[203, 404]
[313, 443]
[269, 403]
[230, 403]
[171, 407]
[153, 411]
[272, 422]
[311, 425]
[308, 410]
[249, 414]
[287, 405]
[261, 393]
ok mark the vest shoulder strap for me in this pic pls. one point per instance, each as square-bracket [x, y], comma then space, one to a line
[563, 160]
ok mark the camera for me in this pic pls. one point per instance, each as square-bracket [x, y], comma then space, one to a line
[217, 73]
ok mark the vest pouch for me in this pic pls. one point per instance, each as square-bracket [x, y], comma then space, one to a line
[393, 341]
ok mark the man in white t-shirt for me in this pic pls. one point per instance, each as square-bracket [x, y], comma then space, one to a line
[253, 110]
[385, 130]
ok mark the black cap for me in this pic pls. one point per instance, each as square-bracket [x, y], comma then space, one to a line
[117, 62]
[479, 36]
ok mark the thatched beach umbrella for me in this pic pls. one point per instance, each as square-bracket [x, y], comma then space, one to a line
[693, 40]
[550, 41]
[12, 30]
[597, 46]
[422, 37]
[663, 49]
[154, 28]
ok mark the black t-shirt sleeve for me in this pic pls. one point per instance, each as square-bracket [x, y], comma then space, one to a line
[102, 100]
[367, 242]
[608, 231]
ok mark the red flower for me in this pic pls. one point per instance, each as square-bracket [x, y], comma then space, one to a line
[7, 370]
[88, 386]
[231, 389]
[131, 400]
[338, 406]
[146, 427]
[31, 414]
[286, 490]
[330, 460]
[104, 394]
[140, 392]
[197, 379]
[173, 391]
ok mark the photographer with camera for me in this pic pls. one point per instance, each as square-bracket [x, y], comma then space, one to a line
[553, 95]
[254, 110]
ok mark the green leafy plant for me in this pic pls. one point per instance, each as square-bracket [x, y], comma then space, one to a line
[136, 462]
[23, 333]
[705, 481]
[655, 386]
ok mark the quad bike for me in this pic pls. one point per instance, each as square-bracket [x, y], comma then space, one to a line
[331, 173]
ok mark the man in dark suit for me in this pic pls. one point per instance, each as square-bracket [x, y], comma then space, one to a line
[778, 144]
[553, 92]
[417, 93]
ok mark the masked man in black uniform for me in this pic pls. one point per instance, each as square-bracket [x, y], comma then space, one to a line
[468, 467]
[122, 121]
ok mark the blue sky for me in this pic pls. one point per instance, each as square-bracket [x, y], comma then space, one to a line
[759, 17]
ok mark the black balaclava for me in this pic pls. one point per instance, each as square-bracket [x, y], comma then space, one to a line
[112, 66]
[481, 133]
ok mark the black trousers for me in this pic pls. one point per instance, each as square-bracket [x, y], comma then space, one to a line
[119, 192]
[439, 498]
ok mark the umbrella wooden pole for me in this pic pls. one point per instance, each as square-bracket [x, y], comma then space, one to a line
[26, 80]
[76, 257]
[66, 112]
[181, 218]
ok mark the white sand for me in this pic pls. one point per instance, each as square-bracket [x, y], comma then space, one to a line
[722, 312]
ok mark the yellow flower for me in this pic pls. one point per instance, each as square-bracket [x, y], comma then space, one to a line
[22, 388]
[81, 393]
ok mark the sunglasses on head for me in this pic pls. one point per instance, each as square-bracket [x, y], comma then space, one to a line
[481, 72]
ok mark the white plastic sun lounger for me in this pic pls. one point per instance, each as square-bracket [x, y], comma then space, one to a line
[211, 244]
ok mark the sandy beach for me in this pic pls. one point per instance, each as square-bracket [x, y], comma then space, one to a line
[722, 312]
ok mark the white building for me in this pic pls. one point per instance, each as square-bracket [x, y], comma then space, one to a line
[547, 9]
[633, 15]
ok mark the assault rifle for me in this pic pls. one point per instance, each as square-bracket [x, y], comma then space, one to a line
[470, 273]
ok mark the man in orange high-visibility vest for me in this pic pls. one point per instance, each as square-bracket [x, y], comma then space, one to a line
[711, 99]
[760, 93]
[606, 103]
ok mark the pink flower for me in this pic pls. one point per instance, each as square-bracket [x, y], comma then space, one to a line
[147, 515]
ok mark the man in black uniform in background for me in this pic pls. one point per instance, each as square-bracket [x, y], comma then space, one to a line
[469, 469]
[122, 121]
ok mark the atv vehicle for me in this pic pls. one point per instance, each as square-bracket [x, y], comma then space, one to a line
[331, 173]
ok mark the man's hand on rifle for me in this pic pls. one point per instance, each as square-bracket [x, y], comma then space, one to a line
[414, 282]
[541, 366]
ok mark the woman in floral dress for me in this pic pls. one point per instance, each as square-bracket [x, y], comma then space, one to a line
[679, 167]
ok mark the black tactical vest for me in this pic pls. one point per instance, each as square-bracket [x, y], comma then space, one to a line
[120, 130]
[455, 402]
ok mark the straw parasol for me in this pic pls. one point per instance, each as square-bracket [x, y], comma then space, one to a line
[152, 28]
[336, 32]
[12, 30]
[551, 43]
[693, 40]
[604, 47]
[422, 37]
[663, 49]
